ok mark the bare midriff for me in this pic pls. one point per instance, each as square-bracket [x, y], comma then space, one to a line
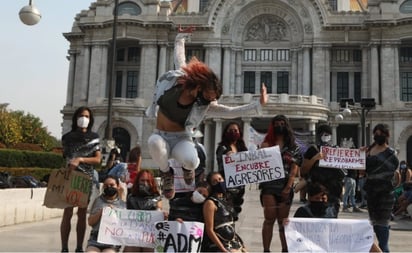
[165, 124]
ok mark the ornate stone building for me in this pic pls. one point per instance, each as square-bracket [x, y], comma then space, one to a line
[309, 53]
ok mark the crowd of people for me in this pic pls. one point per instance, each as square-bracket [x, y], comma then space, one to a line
[183, 97]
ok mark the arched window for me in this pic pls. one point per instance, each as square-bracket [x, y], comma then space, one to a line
[129, 8]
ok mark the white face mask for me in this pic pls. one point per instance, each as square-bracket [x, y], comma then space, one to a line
[83, 122]
[198, 198]
[326, 138]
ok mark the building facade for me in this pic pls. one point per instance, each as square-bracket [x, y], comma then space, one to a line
[310, 54]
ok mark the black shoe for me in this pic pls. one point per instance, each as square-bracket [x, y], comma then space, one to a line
[65, 250]
[79, 250]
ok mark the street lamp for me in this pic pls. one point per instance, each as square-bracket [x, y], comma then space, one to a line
[29, 14]
[348, 105]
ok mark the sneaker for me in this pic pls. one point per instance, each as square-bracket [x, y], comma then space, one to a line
[356, 210]
[168, 188]
[346, 210]
[188, 176]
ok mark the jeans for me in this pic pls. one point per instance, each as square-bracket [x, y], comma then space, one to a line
[178, 145]
[349, 195]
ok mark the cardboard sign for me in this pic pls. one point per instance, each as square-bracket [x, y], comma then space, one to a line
[249, 167]
[128, 227]
[67, 188]
[343, 158]
[173, 236]
[328, 235]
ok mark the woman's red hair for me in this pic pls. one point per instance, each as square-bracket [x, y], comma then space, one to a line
[152, 184]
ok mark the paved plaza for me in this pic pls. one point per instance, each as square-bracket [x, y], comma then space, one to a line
[45, 236]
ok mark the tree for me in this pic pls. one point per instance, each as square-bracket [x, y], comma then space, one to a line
[20, 127]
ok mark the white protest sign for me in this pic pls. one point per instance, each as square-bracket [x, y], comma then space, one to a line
[249, 167]
[343, 158]
[328, 235]
[179, 181]
[128, 227]
[173, 236]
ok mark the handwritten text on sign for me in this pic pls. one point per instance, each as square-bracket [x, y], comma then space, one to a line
[328, 235]
[128, 227]
[343, 158]
[250, 167]
[173, 236]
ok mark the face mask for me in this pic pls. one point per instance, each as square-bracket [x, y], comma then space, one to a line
[197, 197]
[109, 191]
[83, 122]
[232, 136]
[325, 138]
[219, 187]
[403, 166]
[280, 130]
[379, 139]
[144, 189]
[201, 100]
[318, 206]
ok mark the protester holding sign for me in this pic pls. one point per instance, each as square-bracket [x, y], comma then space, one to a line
[144, 196]
[232, 142]
[219, 222]
[381, 163]
[276, 196]
[81, 150]
[332, 179]
[109, 198]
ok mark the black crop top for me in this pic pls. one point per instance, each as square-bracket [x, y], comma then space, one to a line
[170, 107]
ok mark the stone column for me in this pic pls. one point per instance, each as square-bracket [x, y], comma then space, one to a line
[389, 73]
[105, 70]
[374, 73]
[334, 133]
[238, 72]
[246, 132]
[218, 135]
[321, 71]
[232, 83]
[226, 71]
[365, 70]
[214, 58]
[258, 82]
[306, 71]
[162, 59]
[147, 73]
[207, 143]
[98, 69]
[85, 73]
[294, 72]
[70, 82]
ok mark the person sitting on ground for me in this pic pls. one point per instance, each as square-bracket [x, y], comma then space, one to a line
[190, 206]
[144, 196]
[319, 207]
[404, 200]
[109, 198]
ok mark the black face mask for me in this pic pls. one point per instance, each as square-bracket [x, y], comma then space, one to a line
[200, 100]
[318, 207]
[219, 187]
[109, 191]
[379, 139]
[144, 189]
[280, 130]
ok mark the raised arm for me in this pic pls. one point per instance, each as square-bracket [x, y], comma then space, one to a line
[179, 51]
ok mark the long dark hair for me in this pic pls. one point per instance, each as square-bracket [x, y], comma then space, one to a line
[288, 138]
[240, 144]
[384, 129]
[76, 115]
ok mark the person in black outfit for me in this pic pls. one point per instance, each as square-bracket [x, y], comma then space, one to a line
[81, 150]
[331, 178]
[231, 142]
[381, 163]
[318, 206]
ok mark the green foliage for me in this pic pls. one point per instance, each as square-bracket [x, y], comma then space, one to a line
[18, 158]
[20, 127]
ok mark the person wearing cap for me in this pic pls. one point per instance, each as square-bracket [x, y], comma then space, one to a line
[332, 179]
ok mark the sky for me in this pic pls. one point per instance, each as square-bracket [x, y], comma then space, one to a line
[33, 64]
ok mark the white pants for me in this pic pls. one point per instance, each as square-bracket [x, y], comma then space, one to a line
[177, 145]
